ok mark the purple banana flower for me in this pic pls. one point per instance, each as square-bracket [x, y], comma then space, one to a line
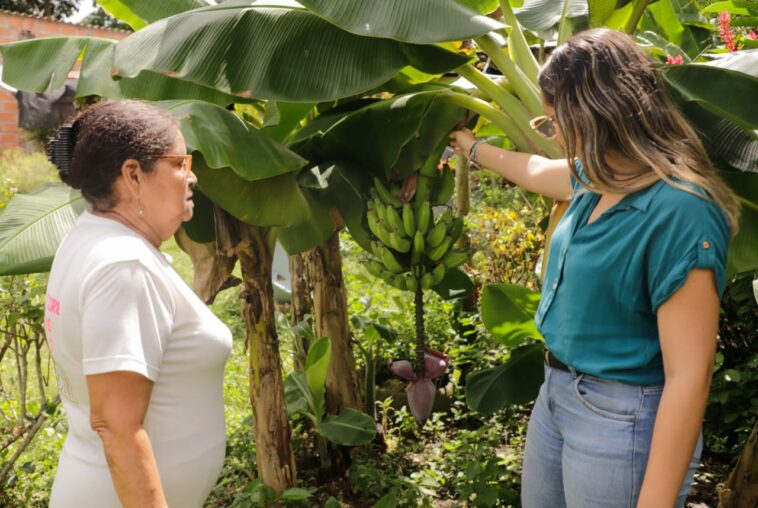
[421, 391]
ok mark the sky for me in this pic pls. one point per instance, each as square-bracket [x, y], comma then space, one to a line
[85, 8]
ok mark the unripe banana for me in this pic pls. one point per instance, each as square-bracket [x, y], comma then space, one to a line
[373, 222]
[424, 216]
[455, 258]
[379, 231]
[375, 268]
[398, 281]
[436, 253]
[385, 195]
[398, 243]
[380, 208]
[422, 190]
[455, 229]
[376, 249]
[411, 284]
[418, 271]
[409, 221]
[418, 248]
[394, 221]
[426, 281]
[438, 274]
[436, 235]
[390, 262]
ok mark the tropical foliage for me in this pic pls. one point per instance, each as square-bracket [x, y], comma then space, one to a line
[294, 111]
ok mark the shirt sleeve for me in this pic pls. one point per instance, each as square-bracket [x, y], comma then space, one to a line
[126, 320]
[694, 234]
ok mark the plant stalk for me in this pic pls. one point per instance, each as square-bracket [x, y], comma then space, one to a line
[520, 50]
[420, 338]
[506, 124]
[522, 86]
[638, 9]
[566, 28]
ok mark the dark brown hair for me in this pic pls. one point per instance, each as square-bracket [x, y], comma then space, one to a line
[89, 154]
[609, 94]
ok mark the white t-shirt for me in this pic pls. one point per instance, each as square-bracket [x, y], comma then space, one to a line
[114, 303]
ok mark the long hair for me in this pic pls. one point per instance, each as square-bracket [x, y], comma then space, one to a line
[609, 96]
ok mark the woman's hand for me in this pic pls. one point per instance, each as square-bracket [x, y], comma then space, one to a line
[462, 140]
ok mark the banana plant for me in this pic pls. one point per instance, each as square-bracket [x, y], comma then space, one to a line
[305, 393]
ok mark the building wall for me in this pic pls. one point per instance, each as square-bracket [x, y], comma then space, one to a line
[16, 27]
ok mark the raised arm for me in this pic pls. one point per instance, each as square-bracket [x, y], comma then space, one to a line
[534, 173]
[118, 402]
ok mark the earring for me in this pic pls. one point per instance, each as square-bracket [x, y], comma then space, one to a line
[140, 209]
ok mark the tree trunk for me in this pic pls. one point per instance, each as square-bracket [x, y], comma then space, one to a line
[330, 314]
[302, 304]
[741, 488]
[276, 463]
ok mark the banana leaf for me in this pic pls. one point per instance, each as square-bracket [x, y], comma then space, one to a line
[517, 381]
[417, 21]
[508, 313]
[55, 57]
[139, 13]
[33, 225]
[543, 16]
[276, 201]
[273, 53]
[225, 140]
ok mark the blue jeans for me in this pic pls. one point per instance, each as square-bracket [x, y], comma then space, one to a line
[588, 443]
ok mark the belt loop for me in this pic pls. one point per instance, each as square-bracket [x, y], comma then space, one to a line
[573, 371]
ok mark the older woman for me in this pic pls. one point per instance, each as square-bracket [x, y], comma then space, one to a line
[139, 358]
[630, 302]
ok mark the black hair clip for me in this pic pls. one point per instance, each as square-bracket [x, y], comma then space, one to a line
[60, 149]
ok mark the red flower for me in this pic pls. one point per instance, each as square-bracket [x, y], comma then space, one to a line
[674, 60]
[725, 31]
[753, 35]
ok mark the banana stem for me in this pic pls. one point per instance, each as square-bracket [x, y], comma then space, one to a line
[420, 338]
[525, 89]
[638, 9]
[522, 55]
[506, 124]
[462, 187]
[566, 28]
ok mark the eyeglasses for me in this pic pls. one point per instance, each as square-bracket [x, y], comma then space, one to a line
[186, 161]
[544, 126]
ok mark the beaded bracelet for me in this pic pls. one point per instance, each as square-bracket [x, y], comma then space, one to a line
[472, 153]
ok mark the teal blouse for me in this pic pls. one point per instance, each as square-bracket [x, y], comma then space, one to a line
[605, 280]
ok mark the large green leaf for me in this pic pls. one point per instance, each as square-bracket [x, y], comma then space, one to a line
[33, 225]
[600, 11]
[283, 117]
[316, 368]
[54, 57]
[668, 20]
[349, 428]
[297, 395]
[517, 381]
[335, 190]
[725, 92]
[508, 313]
[733, 7]
[543, 16]
[409, 127]
[139, 13]
[417, 21]
[486, 6]
[225, 140]
[272, 202]
[274, 53]
[314, 231]
[743, 253]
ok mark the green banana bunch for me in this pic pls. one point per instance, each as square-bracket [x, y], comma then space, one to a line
[389, 260]
[443, 189]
